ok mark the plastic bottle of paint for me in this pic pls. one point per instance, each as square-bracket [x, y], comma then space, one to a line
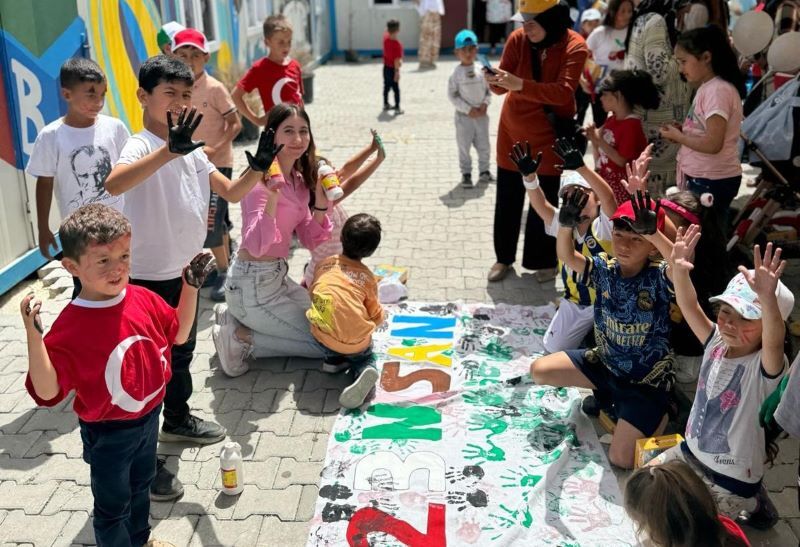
[274, 176]
[231, 469]
[330, 182]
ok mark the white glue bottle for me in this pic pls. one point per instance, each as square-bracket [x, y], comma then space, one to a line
[330, 182]
[231, 469]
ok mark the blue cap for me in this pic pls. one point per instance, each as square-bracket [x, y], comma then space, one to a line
[466, 38]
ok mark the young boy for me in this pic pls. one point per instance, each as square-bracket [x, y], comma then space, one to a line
[392, 61]
[167, 179]
[632, 363]
[468, 91]
[166, 34]
[345, 309]
[111, 345]
[220, 126]
[277, 78]
[75, 153]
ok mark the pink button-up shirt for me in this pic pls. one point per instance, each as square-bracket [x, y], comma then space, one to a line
[263, 235]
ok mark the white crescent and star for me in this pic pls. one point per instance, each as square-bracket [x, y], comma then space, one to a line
[113, 376]
[277, 89]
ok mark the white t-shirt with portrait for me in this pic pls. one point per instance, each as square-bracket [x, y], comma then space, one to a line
[79, 159]
[168, 211]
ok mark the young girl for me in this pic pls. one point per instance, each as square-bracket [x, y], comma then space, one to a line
[708, 159]
[621, 139]
[352, 175]
[673, 508]
[743, 363]
[266, 313]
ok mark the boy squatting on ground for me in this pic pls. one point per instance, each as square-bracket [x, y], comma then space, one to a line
[632, 362]
[220, 126]
[277, 77]
[111, 345]
[345, 309]
[167, 179]
[468, 91]
[75, 153]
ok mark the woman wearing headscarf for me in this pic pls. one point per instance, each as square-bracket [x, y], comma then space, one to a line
[649, 47]
[539, 72]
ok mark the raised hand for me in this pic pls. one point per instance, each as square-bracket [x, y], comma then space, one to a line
[521, 156]
[637, 171]
[569, 154]
[265, 153]
[30, 313]
[645, 221]
[180, 133]
[571, 208]
[377, 143]
[683, 250]
[197, 270]
[766, 272]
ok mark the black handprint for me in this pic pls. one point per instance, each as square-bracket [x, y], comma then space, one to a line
[569, 154]
[265, 153]
[180, 134]
[645, 221]
[571, 208]
[521, 156]
[197, 270]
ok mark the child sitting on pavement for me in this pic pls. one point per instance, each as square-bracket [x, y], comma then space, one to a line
[345, 309]
[118, 388]
[632, 363]
[743, 363]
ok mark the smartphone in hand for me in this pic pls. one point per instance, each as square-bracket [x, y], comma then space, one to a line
[487, 66]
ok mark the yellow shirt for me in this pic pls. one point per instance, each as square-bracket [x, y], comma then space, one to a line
[344, 305]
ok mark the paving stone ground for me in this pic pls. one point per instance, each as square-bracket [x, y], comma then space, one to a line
[283, 409]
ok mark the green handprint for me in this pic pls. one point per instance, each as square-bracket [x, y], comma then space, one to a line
[520, 477]
[497, 350]
[483, 397]
[494, 454]
[486, 421]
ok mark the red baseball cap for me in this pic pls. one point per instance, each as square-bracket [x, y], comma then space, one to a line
[625, 213]
[190, 37]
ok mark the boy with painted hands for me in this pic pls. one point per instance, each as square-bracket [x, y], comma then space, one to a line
[592, 235]
[167, 179]
[632, 363]
[111, 346]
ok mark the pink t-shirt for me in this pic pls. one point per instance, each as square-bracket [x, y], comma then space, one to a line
[720, 98]
[263, 235]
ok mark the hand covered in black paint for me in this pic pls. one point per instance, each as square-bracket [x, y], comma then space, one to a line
[645, 220]
[265, 153]
[197, 270]
[569, 154]
[521, 156]
[180, 133]
[571, 208]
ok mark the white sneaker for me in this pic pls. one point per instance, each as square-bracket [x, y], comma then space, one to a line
[353, 395]
[231, 351]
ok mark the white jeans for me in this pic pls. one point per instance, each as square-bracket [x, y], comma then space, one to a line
[569, 327]
[261, 297]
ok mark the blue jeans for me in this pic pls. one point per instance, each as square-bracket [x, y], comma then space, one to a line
[357, 361]
[122, 465]
[723, 190]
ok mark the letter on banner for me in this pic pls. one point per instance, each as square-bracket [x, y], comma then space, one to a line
[369, 519]
[424, 326]
[400, 470]
[392, 381]
[411, 417]
[422, 354]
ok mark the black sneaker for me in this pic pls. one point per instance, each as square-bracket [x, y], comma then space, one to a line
[386, 107]
[193, 430]
[166, 486]
[398, 110]
[466, 180]
[765, 515]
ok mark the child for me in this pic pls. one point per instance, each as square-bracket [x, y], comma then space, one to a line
[575, 315]
[118, 393]
[75, 153]
[590, 20]
[622, 138]
[708, 160]
[672, 507]
[167, 181]
[392, 61]
[352, 176]
[277, 77]
[220, 126]
[266, 312]
[742, 364]
[345, 309]
[468, 91]
[166, 34]
[632, 365]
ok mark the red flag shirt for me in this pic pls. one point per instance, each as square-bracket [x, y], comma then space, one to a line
[115, 354]
[392, 50]
[275, 83]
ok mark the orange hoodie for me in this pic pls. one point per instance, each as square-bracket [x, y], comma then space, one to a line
[344, 305]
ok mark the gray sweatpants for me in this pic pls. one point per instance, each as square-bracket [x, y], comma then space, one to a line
[469, 132]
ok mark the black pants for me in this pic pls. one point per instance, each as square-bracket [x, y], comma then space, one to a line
[390, 83]
[179, 388]
[497, 33]
[539, 251]
[583, 100]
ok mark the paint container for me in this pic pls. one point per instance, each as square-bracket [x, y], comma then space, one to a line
[231, 469]
[330, 182]
[274, 177]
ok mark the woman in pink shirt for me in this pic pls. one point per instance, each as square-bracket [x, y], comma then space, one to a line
[266, 313]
